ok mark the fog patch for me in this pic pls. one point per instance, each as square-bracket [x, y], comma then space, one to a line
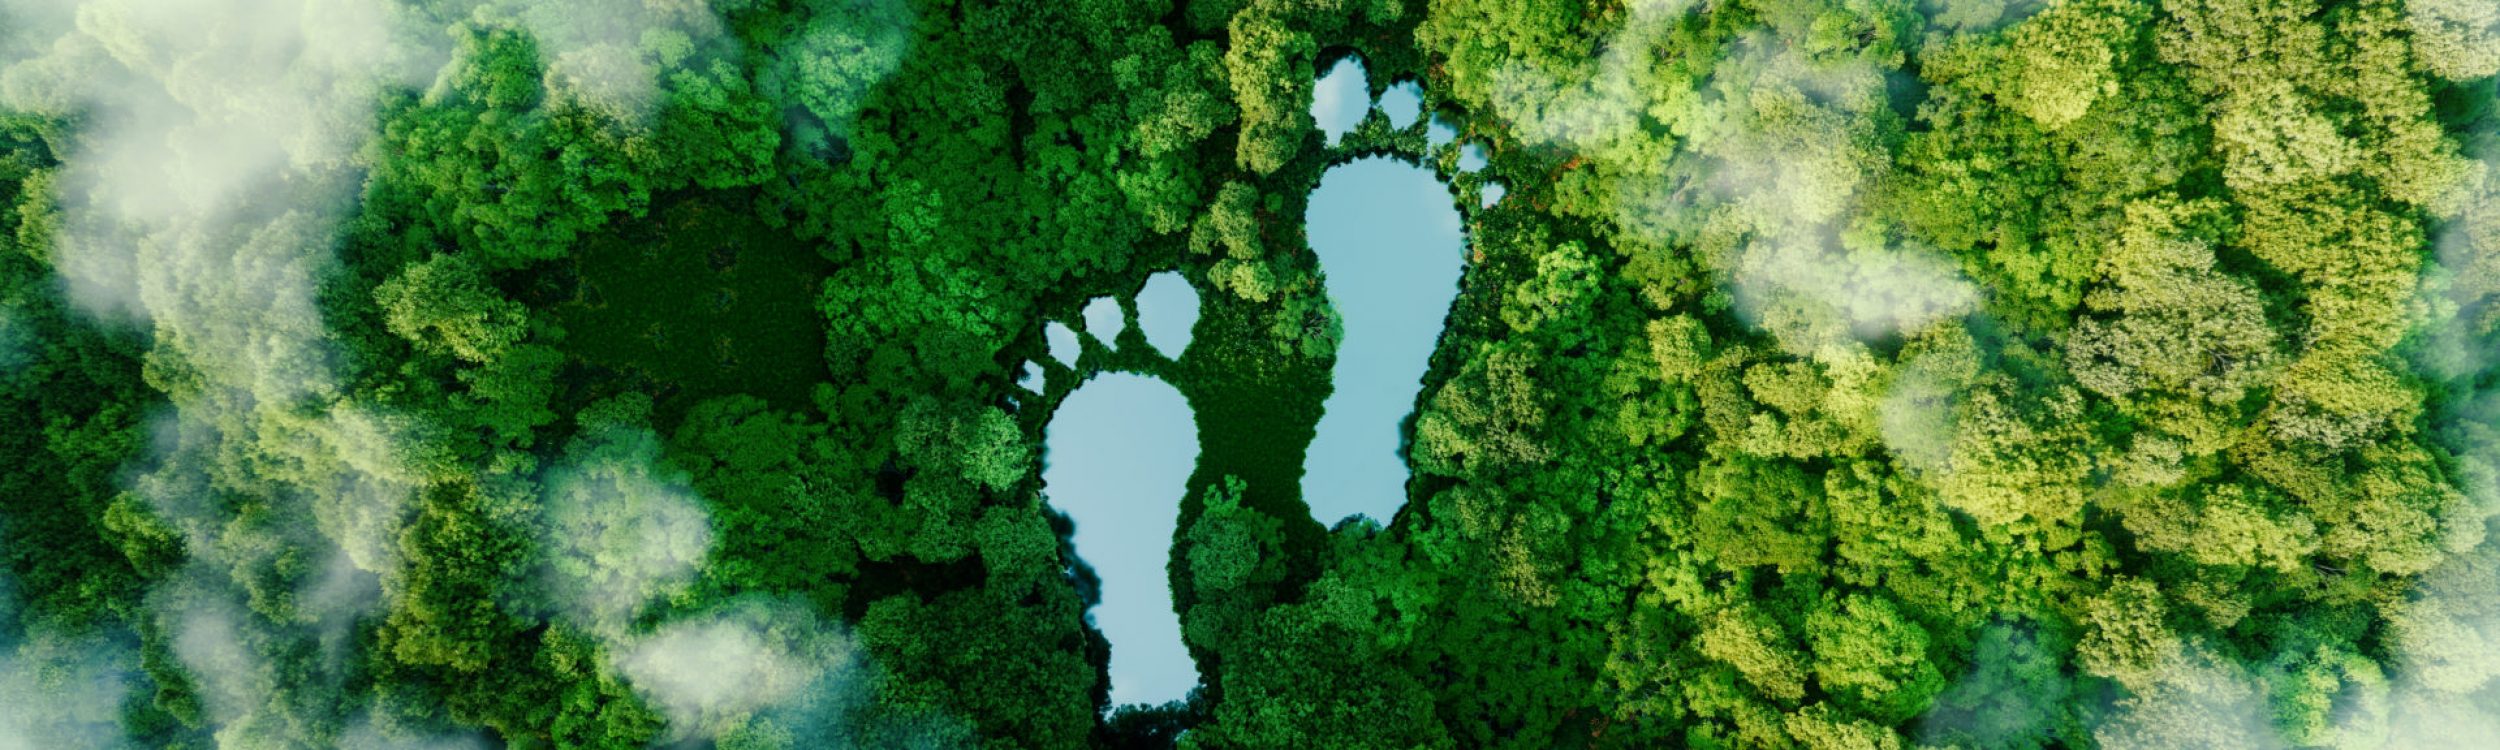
[825, 74]
[221, 150]
[17, 339]
[372, 736]
[2196, 699]
[363, 506]
[1778, 148]
[2444, 637]
[60, 690]
[2013, 696]
[625, 537]
[357, 515]
[2445, 643]
[219, 154]
[719, 674]
[1591, 110]
[222, 650]
[766, 673]
[335, 600]
[1815, 298]
[1786, 182]
[1916, 418]
[623, 531]
[216, 159]
[607, 55]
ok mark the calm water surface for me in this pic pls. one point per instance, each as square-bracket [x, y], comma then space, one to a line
[1388, 238]
[1119, 451]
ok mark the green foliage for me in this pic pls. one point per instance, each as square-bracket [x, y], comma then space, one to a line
[1872, 660]
[443, 306]
[1270, 65]
[1836, 373]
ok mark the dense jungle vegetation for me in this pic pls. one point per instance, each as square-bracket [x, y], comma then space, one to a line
[1829, 373]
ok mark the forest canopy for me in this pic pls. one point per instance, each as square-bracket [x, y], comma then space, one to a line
[1824, 373]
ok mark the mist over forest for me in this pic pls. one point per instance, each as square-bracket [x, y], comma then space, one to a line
[1828, 374]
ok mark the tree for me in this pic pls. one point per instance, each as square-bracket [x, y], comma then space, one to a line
[2183, 344]
[1872, 659]
[2053, 66]
[1483, 419]
[2457, 39]
[1270, 65]
[445, 307]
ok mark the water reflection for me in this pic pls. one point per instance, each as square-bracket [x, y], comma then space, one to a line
[1166, 311]
[1388, 239]
[1118, 454]
[1340, 99]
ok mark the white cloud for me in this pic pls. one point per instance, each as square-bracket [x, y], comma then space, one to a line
[622, 533]
[607, 54]
[1916, 417]
[200, 202]
[367, 735]
[213, 639]
[2014, 693]
[2197, 700]
[62, 692]
[17, 338]
[1599, 110]
[1777, 150]
[59, 690]
[756, 669]
[1814, 297]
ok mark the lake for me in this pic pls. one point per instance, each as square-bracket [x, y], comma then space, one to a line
[1388, 238]
[1120, 449]
[1118, 454]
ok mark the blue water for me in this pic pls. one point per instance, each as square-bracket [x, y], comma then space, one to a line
[1340, 99]
[1103, 319]
[1064, 345]
[1402, 103]
[1388, 239]
[1118, 453]
[1119, 450]
[1117, 456]
[1166, 311]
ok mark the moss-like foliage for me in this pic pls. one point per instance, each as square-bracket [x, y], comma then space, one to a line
[1824, 373]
